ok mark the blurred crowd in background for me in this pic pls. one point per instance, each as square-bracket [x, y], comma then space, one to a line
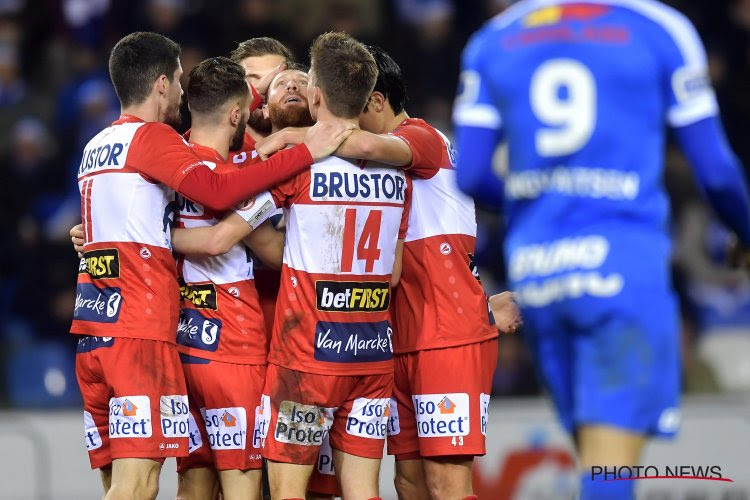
[55, 94]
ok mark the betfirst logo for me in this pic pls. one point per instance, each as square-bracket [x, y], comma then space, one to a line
[300, 424]
[91, 432]
[130, 417]
[369, 418]
[202, 296]
[226, 427]
[101, 264]
[441, 415]
[174, 416]
[351, 296]
[103, 157]
[328, 185]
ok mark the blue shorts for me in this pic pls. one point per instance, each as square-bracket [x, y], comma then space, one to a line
[612, 361]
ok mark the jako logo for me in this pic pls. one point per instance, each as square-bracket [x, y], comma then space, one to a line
[440, 415]
[130, 417]
[226, 427]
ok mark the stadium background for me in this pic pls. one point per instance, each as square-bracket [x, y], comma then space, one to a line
[55, 95]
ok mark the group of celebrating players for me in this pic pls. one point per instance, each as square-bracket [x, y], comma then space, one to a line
[376, 326]
[192, 344]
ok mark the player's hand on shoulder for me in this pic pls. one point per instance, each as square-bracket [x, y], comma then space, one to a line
[76, 236]
[506, 312]
[279, 140]
[324, 137]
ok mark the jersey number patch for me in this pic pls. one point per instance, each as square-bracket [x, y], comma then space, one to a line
[563, 97]
[367, 247]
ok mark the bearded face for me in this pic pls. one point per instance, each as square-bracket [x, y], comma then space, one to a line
[287, 100]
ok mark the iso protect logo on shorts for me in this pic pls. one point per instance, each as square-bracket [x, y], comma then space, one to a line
[226, 427]
[174, 416]
[394, 424]
[442, 415]
[195, 441]
[90, 432]
[262, 421]
[305, 425]
[130, 417]
[369, 418]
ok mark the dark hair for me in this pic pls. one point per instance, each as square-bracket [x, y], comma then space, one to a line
[137, 61]
[213, 82]
[261, 46]
[345, 71]
[390, 80]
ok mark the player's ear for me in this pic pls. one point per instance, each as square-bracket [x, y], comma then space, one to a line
[266, 113]
[377, 102]
[161, 85]
[235, 116]
[317, 96]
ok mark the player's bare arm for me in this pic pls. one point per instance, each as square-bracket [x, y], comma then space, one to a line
[267, 243]
[211, 240]
[383, 148]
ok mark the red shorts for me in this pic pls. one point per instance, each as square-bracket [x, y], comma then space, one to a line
[134, 399]
[442, 401]
[224, 398]
[304, 407]
[323, 479]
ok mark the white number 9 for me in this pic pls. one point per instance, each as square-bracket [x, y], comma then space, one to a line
[573, 118]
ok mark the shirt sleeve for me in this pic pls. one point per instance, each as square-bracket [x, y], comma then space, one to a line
[428, 150]
[161, 154]
[478, 128]
[685, 81]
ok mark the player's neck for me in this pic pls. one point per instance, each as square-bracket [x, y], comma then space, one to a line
[325, 114]
[393, 121]
[148, 111]
[210, 136]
